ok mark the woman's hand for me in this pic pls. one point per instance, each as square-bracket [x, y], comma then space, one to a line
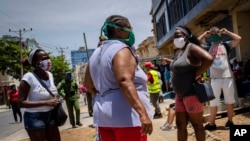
[52, 102]
[146, 124]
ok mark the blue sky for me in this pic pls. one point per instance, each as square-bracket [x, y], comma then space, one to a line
[61, 23]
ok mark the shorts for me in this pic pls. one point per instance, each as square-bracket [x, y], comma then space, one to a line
[227, 86]
[189, 104]
[121, 134]
[37, 120]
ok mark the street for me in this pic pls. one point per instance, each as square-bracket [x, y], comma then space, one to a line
[14, 132]
[8, 125]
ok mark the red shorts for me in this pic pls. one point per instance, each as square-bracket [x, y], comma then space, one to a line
[189, 104]
[121, 134]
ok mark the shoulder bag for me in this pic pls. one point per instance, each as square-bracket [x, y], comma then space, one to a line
[58, 114]
[203, 90]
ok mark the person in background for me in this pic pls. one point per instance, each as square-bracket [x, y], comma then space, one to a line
[246, 70]
[83, 91]
[161, 68]
[36, 100]
[13, 96]
[167, 73]
[236, 69]
[90, 103]
[161, 99]
[154, 87]
[222, 78]
[186, 68]
[168, 125]
[121, 106]
[235, 65]
[68, 89]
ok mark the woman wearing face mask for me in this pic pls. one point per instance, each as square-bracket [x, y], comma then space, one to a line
[122, 109]
[186, 68]
[36, 100]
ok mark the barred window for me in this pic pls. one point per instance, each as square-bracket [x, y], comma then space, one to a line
[161, 27]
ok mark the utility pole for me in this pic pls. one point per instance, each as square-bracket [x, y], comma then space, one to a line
[61, 51]
[20, 32]
[87, 50]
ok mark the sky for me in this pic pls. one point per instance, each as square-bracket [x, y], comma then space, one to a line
[60, 24]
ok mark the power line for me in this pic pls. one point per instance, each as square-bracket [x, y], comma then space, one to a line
[61, 51]
[21, 24]
[20, 32]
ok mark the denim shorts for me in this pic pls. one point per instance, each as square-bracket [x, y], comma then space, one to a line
[37, 120]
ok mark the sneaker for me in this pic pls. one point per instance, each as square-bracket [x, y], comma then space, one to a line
[79, 123]
[73, 126]
[168, 128]
[91, 126]
[210, 127]
[229, 124]
[164, 126]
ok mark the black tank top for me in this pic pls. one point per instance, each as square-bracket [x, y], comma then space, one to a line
[183, 74]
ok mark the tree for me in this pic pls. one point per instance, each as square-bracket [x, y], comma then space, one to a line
[10, 62]
[59, 68]
[10, 59]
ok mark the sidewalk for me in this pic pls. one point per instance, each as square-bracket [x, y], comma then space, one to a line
[22, 134]
[157, 135]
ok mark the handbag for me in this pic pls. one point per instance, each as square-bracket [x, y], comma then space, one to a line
[57, 114]
[204, 91]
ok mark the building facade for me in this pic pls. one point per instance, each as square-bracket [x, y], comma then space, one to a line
[147, 49]
[80, 56]
[200, 15]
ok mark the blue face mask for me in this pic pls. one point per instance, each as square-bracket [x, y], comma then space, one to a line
[68, 76]
[130, 40]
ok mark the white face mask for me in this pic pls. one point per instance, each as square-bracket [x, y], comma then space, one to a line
[45, 65]
[179, 42]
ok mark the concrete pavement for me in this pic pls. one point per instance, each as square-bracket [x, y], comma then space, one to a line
[22, 134]
[157, 135]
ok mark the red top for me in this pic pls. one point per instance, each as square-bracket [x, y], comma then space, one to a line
[83, 89]
[150, 78]
[13, 96]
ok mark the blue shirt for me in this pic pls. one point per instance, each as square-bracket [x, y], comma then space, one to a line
[111, 109]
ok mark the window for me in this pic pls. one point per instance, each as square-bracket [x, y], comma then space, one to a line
[177, 9]
[161, 28]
